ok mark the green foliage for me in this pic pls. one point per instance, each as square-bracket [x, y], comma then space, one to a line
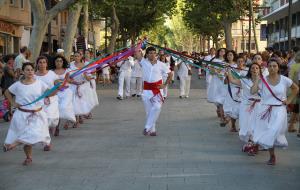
[208, 17]
[134, 15]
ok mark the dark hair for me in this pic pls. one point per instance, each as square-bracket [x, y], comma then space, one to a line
[8, 57]
[162, 57]
[249, 75]
[26, 64]
[278, 53]
[234, 55]
[65, 62]
[218, 52]
[276, 61]
[23, 49]
[40, 58]
[151, 48]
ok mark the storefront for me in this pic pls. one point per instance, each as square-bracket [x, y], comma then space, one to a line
[9, 38]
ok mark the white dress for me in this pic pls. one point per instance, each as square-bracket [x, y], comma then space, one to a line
[216, 90]
[26, 127]
[271, 128]
[231, 105]
[51, 109]
[65, 102]
[248, 111]
[81, 93]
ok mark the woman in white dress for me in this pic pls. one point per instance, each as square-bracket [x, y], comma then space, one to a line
[233, 92]
[216, 88]
[248, 107]
[65, 95]
[257, 58]
[50, 103]
[80, 85]
[92, 91]
[272, 120]
[29, 124]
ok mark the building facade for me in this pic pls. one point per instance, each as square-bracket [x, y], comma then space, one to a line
[276, 14]
[240, 36]
[15, 24]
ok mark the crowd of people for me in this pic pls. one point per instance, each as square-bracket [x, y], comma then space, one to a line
[258, 91]
[36, 120]
[253, 93]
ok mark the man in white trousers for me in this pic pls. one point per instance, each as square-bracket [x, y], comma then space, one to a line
[153, 71]
[136, 83]
[185, 75]
[210, 57]
[124, 76]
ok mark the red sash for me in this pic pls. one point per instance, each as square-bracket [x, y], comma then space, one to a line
[269, 88]
[154, 87]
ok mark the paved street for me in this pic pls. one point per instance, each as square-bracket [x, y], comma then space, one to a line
[109, 152]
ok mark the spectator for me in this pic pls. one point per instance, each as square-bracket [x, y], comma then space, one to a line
[20, 59]
[9, 76]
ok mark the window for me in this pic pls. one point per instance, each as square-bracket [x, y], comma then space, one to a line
[22, 4]
[252, 46]
[298, 19]
[294, 20]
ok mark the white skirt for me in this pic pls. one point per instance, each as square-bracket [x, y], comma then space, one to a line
[271, 131]
[65, 104]
[247, 121]
[81, 99]
[95, 101]
[231, 108]
[28, 129]
[52, 111]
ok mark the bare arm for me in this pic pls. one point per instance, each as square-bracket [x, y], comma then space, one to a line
[232, 79]
[294, 93]
[11, 99]
[254, 89]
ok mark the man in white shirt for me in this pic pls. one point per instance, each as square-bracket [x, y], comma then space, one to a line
[124, 76]
[20, 59]
[153, 72]
[185, 74]
[136, 83]
[212, 54]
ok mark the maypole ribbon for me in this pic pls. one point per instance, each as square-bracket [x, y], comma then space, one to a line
[96, 62]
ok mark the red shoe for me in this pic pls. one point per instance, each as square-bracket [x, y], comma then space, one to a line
[251, 151]
[27, 161]
[47, 147]
[272, 161]
[153, 134]
[247, 147]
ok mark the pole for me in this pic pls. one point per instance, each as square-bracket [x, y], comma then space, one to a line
[49, 37]
[250, 16]
[243, 36]
[290, 25]
[106, 34]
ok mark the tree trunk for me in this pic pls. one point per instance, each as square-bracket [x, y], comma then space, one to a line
[86, 22]
[254, 26]
[41, 19]
[73, 19]
[114, 30]
[228, 35]
[39, 29]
